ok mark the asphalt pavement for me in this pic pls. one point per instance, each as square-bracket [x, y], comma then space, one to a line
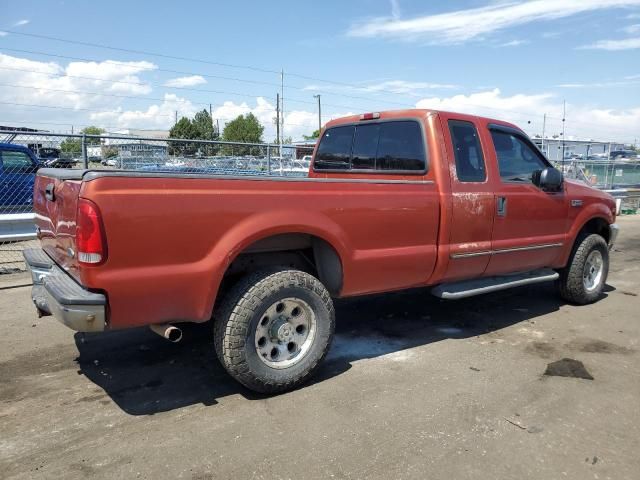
[514, 384]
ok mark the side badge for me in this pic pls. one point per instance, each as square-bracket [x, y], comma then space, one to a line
[576, 203]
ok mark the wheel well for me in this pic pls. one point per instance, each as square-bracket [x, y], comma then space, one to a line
[301, 251]
[598, 226]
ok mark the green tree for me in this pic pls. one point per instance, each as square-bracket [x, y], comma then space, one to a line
[73, 145]
[203, 124]
[313, 136]
[184, 129]
[246, 129]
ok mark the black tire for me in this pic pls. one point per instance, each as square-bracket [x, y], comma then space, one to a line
[242, 309]
[571, 283]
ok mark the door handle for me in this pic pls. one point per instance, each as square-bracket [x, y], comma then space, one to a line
[49, 192]
[501, 204]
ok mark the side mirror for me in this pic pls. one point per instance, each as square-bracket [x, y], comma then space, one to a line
[549, 179]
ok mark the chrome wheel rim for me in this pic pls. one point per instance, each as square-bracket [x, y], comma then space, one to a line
[593, 270]
[285, 333]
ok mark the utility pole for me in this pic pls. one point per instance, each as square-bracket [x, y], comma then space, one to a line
[564, 114]
[544, 124]
[176, 122]
[281, 108]
[319, 114]
[277, 118]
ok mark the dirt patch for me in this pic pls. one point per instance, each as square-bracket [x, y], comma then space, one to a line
[597, 346]
[568, 367]
[541, 349]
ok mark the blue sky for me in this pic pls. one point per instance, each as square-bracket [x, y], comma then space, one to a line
[513, 60]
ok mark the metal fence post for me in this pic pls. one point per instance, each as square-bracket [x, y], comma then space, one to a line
[269, 159]
[85, 160]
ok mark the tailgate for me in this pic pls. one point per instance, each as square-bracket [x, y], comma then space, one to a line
[55, 202]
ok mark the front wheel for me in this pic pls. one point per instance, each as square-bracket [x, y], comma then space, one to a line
[583, 279]
[273, 329]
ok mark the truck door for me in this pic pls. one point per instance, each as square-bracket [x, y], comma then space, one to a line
[472, 199]
[17, 177]
[530, 224]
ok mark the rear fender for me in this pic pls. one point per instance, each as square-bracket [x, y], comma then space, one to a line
[263, 225]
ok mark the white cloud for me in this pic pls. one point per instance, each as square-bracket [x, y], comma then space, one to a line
[21, 23]
[527, 111]
[635, 28]
[628, 80]
[189, 81]
[3, 34]
[76, 77]
[514, 43]
[471, 24]
[160, 116]
[296, 122]
[409, 88]
[395, 9]
[50, 85]
[614, 45]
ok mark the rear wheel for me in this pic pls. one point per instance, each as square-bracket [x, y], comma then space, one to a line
[584, 277]
[273, 329]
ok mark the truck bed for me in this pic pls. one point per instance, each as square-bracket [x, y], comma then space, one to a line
[172, 235]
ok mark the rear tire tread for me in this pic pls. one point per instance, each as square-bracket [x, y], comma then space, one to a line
[240, 304]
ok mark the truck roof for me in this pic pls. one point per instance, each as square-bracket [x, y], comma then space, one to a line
[417, 113]
[12, 146]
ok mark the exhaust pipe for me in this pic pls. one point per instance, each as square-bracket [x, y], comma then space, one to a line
[168, 331]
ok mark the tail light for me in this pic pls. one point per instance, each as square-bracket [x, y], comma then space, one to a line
[90, 238]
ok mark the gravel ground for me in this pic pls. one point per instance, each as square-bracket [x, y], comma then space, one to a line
[414, 387]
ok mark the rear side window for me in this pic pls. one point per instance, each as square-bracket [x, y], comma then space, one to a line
[334, 151]
[385, 146]
[470, 165]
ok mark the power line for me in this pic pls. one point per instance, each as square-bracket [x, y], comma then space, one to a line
[252, 68]
[178, 72]
[141, 52]
[519, 114]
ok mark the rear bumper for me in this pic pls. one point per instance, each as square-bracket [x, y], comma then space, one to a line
[613, 234]
[55, 293]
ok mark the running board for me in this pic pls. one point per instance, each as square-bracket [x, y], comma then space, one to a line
[478, 286]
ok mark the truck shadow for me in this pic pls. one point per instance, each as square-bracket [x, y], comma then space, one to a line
[144, 374]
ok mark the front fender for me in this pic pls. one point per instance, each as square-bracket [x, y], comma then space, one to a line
[590, 212]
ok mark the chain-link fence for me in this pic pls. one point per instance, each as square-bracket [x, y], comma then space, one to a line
[22, 154]
[605, 174]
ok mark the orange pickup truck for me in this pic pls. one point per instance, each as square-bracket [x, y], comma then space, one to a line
[393, 200]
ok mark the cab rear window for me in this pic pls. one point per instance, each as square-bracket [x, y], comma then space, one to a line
[387, 146]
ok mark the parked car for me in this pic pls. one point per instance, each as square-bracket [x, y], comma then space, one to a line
[617, 154]
[18, 166]
[415, 198]
[52, 157]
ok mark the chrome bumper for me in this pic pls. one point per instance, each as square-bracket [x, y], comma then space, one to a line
[613, 234]
[55, 293]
